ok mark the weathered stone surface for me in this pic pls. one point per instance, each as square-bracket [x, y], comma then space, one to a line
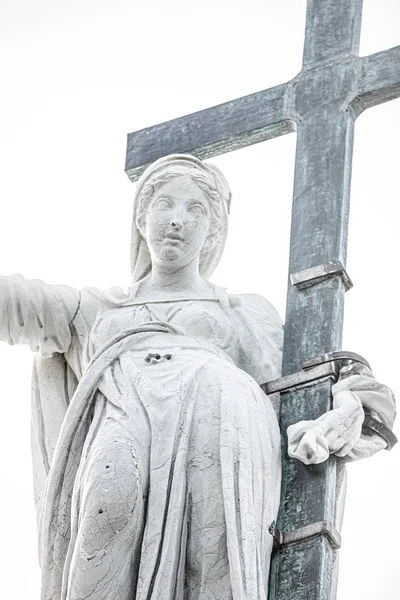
[156, 453]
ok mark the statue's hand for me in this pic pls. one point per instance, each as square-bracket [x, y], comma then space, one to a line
[338, 431]
[306, 442]
[335, 432]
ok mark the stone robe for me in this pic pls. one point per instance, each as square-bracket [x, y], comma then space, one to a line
[156, 454]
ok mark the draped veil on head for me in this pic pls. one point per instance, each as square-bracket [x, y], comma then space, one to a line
[181, 165]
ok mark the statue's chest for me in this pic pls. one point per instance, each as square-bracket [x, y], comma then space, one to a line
[205, 320]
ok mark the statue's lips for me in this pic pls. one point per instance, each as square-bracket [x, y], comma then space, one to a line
[173, 239]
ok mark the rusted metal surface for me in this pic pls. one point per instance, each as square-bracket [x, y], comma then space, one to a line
[314, 316]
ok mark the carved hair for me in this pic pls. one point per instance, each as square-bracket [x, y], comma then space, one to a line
[203, 180]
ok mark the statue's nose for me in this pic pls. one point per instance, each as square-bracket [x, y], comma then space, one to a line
[176, 224]
[177, 220]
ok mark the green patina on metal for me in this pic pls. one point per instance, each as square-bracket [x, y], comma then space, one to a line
[322, 103]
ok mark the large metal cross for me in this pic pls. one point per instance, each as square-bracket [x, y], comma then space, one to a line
[321, 104]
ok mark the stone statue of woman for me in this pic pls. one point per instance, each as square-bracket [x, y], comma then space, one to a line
[156, 453]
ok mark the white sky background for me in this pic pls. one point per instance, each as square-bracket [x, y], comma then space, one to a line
[76, 77]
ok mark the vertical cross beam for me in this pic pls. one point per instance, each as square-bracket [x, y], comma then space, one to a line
[314, 317]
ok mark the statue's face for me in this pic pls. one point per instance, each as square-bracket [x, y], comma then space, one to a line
[177, 223]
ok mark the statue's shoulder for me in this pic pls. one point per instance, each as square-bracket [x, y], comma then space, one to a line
[111, 297]
[254, 306]
[96, 301]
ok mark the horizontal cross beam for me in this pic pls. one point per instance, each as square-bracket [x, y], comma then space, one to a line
[213, 131]
[380, 79]
[261, 116]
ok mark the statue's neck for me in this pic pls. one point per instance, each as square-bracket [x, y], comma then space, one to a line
[183, 282]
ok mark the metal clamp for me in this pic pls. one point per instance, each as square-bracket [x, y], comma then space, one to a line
[326, 528]
[305, 378]
[313, 275]
[372, 425]
[341, 355]
[325, 366]
[314, 370]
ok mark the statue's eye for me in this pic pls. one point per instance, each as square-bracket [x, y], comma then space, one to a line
[197, 209]
[163, 203]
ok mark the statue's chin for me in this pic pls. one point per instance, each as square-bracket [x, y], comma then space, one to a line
[171, 254]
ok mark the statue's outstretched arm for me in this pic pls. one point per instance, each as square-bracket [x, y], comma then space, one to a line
[38, 314]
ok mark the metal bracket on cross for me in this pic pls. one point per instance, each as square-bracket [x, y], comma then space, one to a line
[324, 367]
[372, 425]
[326, 528]
[313, 275]
[315, 370]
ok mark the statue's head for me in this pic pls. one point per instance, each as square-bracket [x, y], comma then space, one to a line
[180, 213]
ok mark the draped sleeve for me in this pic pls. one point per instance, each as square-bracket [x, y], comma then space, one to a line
[55, 322]
[260, 337]
[377, 400]
[38, 314]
